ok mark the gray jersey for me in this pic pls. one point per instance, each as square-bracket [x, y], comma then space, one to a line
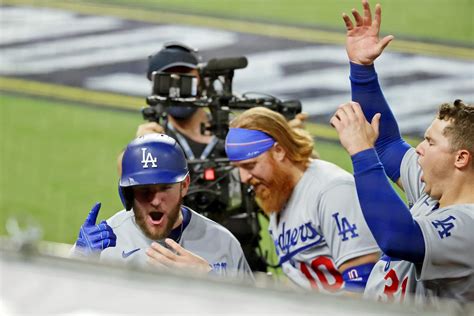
[447, 269]
[320, 228]
[199, 235]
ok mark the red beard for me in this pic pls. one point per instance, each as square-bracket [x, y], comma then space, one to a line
[273, 196]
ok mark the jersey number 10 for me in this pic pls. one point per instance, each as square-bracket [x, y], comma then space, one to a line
[323, 267]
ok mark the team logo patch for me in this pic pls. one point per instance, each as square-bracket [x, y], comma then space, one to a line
[445, 226]
[147, 158]
[344, 227]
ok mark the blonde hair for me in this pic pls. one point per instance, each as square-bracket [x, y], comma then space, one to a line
[298, 143]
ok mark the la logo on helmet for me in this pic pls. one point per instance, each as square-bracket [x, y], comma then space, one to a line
[147, 158]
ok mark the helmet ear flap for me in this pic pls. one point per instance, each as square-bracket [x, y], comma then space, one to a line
[126, 196]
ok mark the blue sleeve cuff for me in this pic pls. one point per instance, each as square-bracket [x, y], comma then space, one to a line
[362, 73]
[356, 277]
[365, 160]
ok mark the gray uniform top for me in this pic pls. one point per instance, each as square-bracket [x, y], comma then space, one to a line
[447, 269]
[201, 236]
[320, 228]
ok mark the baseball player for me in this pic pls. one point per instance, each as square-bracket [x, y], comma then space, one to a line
[316, 224]
[429, 249]
[160, 231]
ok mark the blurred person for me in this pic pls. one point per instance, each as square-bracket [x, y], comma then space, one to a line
[429, 246]
[316, 224]
[155, 228]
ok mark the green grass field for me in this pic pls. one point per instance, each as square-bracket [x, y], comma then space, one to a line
[447, 20]
[57, 159]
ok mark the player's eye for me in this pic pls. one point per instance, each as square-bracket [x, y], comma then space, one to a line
[164, 188]
[429, 141]
[249, 166]
[143, 194]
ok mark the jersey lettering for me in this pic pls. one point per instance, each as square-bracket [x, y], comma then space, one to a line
[149, 159]
[344, 227]
[425, 201]
[291, 237]
[219, 267]
[446, 225]
[323, 267]
[353, 274]
[392, 286]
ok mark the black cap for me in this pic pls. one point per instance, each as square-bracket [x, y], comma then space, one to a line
[173, 54]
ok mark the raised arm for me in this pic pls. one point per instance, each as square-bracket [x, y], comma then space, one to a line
[388, 218]
[363, 46]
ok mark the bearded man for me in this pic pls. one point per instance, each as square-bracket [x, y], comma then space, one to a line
[155, 229]
[320, 235]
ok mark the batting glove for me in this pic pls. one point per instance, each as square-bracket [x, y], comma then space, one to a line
[93, 238]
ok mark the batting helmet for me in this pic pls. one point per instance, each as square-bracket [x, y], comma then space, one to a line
[151, 159]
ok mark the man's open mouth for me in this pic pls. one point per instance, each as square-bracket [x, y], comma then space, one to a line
[156, 217]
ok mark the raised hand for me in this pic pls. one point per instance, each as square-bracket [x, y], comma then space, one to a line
[177, 257]
[355, 133]
[363, 44]
[94, 238]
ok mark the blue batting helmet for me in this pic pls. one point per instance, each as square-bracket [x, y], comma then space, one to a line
[151, 159]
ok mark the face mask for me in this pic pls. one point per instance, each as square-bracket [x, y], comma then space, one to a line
[181, 112]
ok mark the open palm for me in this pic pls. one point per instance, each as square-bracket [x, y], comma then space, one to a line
[363, 44]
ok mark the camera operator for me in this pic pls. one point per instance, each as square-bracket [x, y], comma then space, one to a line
[184, 122]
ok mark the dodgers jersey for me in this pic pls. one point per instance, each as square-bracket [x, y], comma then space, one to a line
[447, 269]
[320, 228]
[198, 234]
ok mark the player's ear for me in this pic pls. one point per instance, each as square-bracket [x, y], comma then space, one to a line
[278, 152]
[185, 186]
[463, 159]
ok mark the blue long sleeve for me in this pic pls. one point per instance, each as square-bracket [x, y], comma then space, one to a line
[389, 220]
[366, 91]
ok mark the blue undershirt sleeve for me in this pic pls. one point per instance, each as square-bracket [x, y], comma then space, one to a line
[389, 220]
[367, 92]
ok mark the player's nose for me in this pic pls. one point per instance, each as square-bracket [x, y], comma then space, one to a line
[155, 199]
[419, 148]
[245, 176]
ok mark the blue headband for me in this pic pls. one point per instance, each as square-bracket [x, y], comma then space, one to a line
[242, 144]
